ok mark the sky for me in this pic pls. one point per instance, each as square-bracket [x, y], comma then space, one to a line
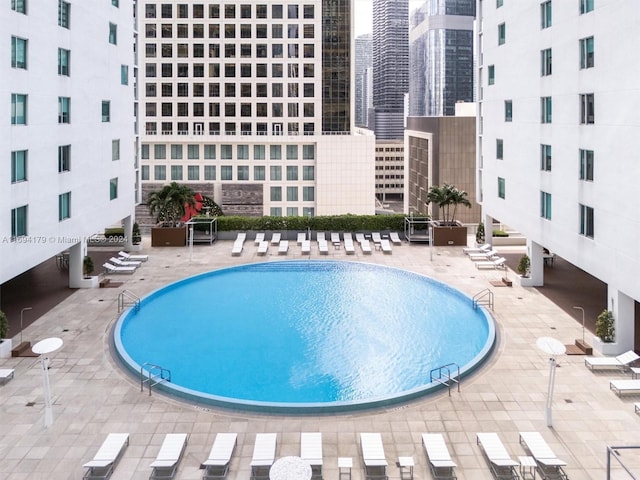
[363, 17]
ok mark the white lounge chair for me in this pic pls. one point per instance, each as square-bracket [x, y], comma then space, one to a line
[488, 255]
[482, 248]
[259, 238]
[320, 236]
[275, 238]
[385, 246]
[622, 361]
[375, 237]
[216, 466]
[311, 452]
[283, 247]
[114, 269]
[549, 466]
[348, 246]
[107, 456]
[375, 463]
[124, 263]
[360, 237]
[440, 463]
[263, 248]
[306, 247]
[637, 407]
[238, 245]
[366, 247]
[134, 258]
[264, 454]
[301, 238]
[166, 462]
[335, 239]
[625, 386]
[395, 238]
[500, 463]
[6, 374]
[323, 247]
[497, 263]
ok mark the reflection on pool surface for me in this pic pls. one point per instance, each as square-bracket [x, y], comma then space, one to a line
[304, 334]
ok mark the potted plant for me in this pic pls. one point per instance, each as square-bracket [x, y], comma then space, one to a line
[524, 267]
[136, 237]
[169, 205]
[87, 266]
[605, 326]
[448, 231]
[5, 343]
[480, 238]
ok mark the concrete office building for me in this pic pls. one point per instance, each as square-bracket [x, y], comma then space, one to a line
[69, 137]
[390, 66]
[441, 57]
[253, 103]
[389, 170]
[559, 139]
[363, 62]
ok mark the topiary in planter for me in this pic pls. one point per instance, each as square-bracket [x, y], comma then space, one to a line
[524, 266]
[87, 266]
[4, 325]
[480, 234]
[605, 326]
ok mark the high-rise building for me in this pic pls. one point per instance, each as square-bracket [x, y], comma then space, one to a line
[390, 66]
[441, 57]
[363, 61]
[253, 103]
[68, 143]
[558, 139]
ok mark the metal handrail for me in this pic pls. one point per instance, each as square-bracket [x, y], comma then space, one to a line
[126, 299]
[480, 296]
[612, 452]
[448, 378]
[153, 379]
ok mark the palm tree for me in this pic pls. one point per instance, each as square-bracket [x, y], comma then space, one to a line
[458, 197]
[168, 204]
[446, 196]
[438, 196]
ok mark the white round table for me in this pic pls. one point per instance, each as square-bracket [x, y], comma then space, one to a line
[290, 468]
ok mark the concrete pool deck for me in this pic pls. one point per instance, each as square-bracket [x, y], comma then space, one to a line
[93, 396]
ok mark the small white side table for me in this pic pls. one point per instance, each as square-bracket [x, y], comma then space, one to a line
[527, 468]
[405, 464]
[635, 371]
[344, 467]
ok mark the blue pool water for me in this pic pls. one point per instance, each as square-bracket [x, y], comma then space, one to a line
[308, 334]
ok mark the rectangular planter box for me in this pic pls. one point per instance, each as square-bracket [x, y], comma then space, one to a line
[168, 236]
[454, 235]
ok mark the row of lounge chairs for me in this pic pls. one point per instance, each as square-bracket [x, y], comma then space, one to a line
[622, 362]
[216, 466]
[485, 256]
[124, 263]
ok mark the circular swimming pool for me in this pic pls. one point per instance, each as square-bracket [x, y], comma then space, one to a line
[304, 336]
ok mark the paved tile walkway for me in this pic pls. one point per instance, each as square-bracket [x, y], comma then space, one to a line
[93, 396]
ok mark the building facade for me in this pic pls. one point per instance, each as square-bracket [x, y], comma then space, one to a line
[363, 62]
[558, 138]
[441, 57]
[390, 66]
[69, 141]
[256, 100]
[389, 170]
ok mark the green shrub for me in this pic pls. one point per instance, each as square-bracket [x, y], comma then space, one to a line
[114, 232]
[480, 233]
[500, 233]
[524, 266]
[605, 326]
[340, 223]
[4, 325]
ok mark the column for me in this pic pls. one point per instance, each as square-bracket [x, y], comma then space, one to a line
[76, 258]
[623, 310]
[534, 250]
[127, 223]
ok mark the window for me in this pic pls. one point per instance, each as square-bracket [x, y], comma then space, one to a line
[124, 75]
[64, 206]
[586, 53]
[499, 3]
[243, 152]
[292, 11]
[308, 152]
[160, 172]
[18, 52]
[508, 110]
[115, 3]
[115, 150]
[209, 172]
[292, 173]
[586, 165]
[144, 151]
[275, 211]
[499, 148]
[18, 109]
[545, 62]
[586, 6]
[545, 14]
[258, 173]
[545, 205]
[226, 172]
[19, 221]
[243, 172]
[106, 111]
[276, 194]
[19, 6]
[113, 188]
[259, 152]
[587, 108]
[292, 152]
[502, 32]
[64, 61]
[113, 33]
[210, 152]
[492, 75]
[275, 152]
[308, 173]
[18, 166]
[276, 11]
[193, 172]
[545, 158]
[586, 221]
[292, 194]
[64, 158]
[176, 172]
[64, 13]
[545, 110]
[144, 172]
[160, 152]
[275, 173]
[226, 152]
[308, 194]
[501, 192]
[193, 152]
[176, 152]
[64, 110]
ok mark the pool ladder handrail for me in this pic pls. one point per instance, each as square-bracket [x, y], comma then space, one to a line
[445, 371]
[153, 379]
[126, 298]
[484, 297]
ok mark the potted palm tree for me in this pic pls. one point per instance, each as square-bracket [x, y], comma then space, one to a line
[169, 205]
[605, 338]
[447, 230]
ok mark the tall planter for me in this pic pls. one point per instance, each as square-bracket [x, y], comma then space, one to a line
[168, 236]
[449, 235]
